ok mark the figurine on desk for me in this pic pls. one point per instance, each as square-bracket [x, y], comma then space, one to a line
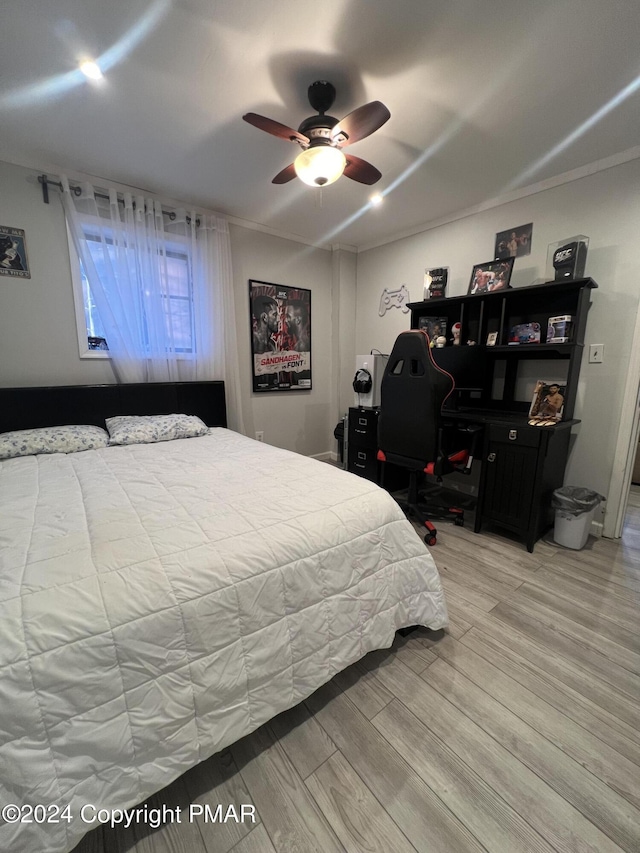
[456, 329]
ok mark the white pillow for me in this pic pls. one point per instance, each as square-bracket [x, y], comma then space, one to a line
[143, 429]
[59, 439]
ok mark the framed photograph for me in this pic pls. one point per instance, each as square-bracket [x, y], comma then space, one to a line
[280, 319]
[548, 401]
[13, 253]
[492, 339]
[490, 276]
[434, 327]
[514, 242]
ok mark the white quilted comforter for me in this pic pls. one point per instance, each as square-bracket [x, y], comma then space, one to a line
[159, 601]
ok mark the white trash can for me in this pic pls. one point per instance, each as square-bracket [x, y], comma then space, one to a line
[575, 507]
[572, 531]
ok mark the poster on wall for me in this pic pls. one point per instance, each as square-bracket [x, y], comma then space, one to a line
[280, 336]
[13, 253]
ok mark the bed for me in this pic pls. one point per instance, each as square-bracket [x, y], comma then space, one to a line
[159, 600]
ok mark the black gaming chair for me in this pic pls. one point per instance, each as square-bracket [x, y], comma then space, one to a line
[412, 432]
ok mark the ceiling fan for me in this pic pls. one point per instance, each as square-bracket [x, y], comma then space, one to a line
[322, 138]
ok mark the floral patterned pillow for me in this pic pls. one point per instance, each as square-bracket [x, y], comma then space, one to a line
[59, 439]
[143, 429]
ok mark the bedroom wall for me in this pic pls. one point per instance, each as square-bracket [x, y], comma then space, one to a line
[38, 339]
[295, 420]
[605, 207]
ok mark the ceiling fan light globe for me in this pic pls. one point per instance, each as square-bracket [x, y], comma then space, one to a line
[320, 166]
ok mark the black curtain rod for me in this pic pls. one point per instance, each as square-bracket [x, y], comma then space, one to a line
[45, 181]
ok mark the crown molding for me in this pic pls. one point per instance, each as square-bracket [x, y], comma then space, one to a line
[343, 247]
[273, 232]
[522, 192]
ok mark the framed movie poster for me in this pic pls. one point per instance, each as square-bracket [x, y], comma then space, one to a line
[280, 336]
[13, 253]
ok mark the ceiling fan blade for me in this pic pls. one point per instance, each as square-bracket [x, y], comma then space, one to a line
[361, 171]
[361, 122]
[285, 175]
[275, 128]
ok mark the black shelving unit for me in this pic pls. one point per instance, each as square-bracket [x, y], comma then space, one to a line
[521, 464]
[499, 312]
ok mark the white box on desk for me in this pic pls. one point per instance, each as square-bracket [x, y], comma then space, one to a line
[559, 329]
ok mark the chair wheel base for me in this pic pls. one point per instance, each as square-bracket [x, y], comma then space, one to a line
[421, 512]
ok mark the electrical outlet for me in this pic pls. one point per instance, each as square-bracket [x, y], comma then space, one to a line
[596, 353]
[259, 435]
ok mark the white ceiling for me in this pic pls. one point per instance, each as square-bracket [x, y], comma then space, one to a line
[486, 96]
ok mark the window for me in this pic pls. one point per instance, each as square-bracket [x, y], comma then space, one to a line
[177, 283]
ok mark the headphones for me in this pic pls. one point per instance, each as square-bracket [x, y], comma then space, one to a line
[362, 381]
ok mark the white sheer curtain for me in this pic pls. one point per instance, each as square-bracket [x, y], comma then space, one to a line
[128, 249]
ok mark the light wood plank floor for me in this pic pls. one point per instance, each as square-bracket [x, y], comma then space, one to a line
[517, 729]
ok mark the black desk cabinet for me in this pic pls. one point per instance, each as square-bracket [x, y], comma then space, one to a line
[362, 443]
[521, 466]
[362, 452]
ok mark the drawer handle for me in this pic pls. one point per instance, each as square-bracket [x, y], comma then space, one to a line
[513, 434]
[491, 457]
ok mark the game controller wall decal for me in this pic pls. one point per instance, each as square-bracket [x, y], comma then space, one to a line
[394, 299]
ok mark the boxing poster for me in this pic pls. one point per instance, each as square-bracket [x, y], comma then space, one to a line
[280, 337]
[13, 253]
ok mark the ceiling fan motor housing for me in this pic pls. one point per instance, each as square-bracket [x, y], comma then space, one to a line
[310, 126]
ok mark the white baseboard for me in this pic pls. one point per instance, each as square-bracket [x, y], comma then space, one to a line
[327, 456]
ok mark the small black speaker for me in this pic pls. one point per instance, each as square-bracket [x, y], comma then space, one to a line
[569, 260]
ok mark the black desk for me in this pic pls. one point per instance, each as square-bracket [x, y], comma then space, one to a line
[522, 465]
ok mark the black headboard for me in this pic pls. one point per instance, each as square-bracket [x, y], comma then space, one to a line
[27, 408]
